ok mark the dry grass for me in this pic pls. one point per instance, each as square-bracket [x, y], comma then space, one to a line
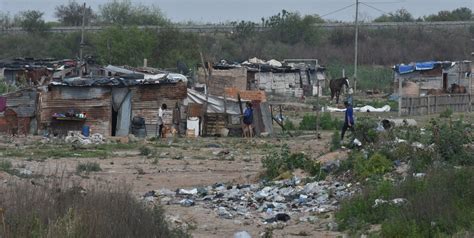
[62, 209]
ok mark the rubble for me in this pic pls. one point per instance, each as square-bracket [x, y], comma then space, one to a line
[278, 201]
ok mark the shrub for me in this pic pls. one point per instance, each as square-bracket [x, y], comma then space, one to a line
[335, 141]
[446, 113]
[5, 165]
[326, 122]
[145, 150]
[103, 211]
[364, 130]
[440, 205]
[279, 162]
[377, 164]
[88, 167]
[308, 122]
[450, 139]
[289, 125]
[357, 212]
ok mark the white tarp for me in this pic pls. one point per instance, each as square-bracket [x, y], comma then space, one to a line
[215, 104]
[366, 108]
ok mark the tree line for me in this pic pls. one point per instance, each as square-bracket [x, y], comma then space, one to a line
[289, 35]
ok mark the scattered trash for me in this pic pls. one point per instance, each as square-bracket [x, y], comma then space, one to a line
[270, 203]
[188, 192]
[396, 201]
[242, 234]
[419, 175]
[187, 203]
[76, 137]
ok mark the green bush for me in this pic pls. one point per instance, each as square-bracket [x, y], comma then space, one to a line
[308, 122]
[289, 125]
[88, 167]
[446, 113]
[5, 165]
[364, 130]
[335, 141]
[326, 122]
[279, 162]
[376, 164]
[439, 205]
[451, 139]
[357, 213]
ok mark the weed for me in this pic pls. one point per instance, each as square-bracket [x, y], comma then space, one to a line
[145, 150]
[335, 141]
[376, 165]
[440, 205]
[155, 161]
[88, 167]
[446, 113]
[289, 125]
[326, 122]
[5, 165]
[279, 162]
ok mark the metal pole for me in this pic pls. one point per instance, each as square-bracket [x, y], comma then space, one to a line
[356, 44]
[82, 39]
[400, 96]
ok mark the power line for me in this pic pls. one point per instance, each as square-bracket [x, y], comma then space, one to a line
[382, 11]
[338, 10]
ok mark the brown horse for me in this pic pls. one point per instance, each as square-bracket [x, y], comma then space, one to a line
[336, 86]
[456, 88]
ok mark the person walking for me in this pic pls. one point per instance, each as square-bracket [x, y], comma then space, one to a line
[348, 120]
[160, 120]
[248, 120]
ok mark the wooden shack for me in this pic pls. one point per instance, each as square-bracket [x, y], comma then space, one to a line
[108, 109]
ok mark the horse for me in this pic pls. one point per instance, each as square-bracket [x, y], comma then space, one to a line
[336, 86]
[456, 88]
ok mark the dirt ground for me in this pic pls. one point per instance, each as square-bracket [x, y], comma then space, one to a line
[186, 163]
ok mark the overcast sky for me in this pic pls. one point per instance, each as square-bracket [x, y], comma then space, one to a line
[233, 10]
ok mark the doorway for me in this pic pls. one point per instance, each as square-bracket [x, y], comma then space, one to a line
[445, 82]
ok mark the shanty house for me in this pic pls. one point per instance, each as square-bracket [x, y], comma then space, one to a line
[419, 78]
[108, 106]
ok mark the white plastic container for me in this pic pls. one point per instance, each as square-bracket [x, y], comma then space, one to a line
[193, 123]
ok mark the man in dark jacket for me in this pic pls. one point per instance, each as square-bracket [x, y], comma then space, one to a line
[348, 120]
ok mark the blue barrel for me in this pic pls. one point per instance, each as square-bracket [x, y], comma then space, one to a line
[85, 131]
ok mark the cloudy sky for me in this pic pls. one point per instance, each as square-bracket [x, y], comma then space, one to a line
[231, 10]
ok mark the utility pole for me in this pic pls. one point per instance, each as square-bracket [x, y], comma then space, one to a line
[82, 39]
[356, 44]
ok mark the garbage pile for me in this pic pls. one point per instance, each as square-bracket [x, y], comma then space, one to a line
[275, 202]
[77, 138]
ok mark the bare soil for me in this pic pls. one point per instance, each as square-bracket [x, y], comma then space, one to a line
[186, 163]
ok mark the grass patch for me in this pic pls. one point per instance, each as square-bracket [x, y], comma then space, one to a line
[439, 205]
[88, 167]
[283, 162]
[326, 122]
[5, 165]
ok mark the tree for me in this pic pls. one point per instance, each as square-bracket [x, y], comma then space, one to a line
[119, 45]
[459, 14]
[5, 20]
[32, 21]
[290, 27]
[122, 12]
[71, 14]
[401, 15]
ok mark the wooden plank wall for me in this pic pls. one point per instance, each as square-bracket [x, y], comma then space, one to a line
[96, 102]
[435, 104]
[147, 99]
